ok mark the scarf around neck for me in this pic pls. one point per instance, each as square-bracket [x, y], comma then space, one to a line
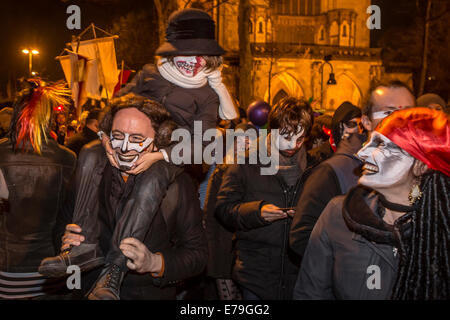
[227, 109]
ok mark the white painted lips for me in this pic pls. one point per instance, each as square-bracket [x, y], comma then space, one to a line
[370, 168]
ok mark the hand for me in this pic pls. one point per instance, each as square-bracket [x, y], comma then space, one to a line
[145, 161]
[271, 213]
[109, 151]
[71, 237]
[141, 259]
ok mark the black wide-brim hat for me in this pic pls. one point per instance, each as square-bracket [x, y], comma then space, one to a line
[190, 32]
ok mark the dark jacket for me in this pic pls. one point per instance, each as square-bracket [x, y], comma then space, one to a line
[331, 178]
[184, 105]
[37, 187]
[77, 142]
[341, 264]
[175, 230]
[220, 239]
[264, 263]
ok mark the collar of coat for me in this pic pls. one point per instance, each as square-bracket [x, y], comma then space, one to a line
[363, 212]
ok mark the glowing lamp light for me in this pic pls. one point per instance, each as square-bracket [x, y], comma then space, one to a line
[25, 51]
[34, 52]
[59, 108]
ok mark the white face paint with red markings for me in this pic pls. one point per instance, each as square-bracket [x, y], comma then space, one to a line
[189, 66]
[128, 148]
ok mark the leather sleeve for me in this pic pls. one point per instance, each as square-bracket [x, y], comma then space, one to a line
[232, 209]
[187, 256]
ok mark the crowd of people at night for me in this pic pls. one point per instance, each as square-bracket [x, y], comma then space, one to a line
[358, 206]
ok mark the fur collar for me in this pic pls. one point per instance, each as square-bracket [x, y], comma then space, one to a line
[363, 212]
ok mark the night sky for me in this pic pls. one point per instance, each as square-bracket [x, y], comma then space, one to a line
[42, 25]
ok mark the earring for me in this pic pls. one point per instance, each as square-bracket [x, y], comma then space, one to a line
[415, 194]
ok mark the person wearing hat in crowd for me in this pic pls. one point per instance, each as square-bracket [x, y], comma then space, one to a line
[89, 132]
[388, 237]
[346, 120]
[186, 79]
[432, 100]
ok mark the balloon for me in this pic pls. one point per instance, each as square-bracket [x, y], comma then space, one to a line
[258, 113]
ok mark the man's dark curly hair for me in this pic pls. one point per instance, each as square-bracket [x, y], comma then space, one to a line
[160, 118]
[290, 112]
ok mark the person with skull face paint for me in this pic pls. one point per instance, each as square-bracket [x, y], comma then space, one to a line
[126, 219]
[337, 175]
[388, 237]
[258, 207]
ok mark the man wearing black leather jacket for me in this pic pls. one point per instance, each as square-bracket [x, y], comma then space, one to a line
[145, 254]
[256, 206]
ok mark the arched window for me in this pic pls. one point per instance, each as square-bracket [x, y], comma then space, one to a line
[250, 26]
[260, 27]
[344, 31]
[322, 34]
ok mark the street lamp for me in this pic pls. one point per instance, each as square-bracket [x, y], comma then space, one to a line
[331, 79]
[30, 58]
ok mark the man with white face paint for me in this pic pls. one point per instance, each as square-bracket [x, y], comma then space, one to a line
[121, 215]
[259, 207]
[377, 241]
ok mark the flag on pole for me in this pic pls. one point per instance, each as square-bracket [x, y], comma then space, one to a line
[103, 55]
[124, 75]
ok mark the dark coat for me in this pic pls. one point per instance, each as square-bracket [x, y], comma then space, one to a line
[37, 187]
[331, 178]
[175, 230]
[184, 105]
[220, 239]
[264, 263]
[82, 138]
[340, 264]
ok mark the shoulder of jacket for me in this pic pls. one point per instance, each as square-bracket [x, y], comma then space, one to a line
[92, 152]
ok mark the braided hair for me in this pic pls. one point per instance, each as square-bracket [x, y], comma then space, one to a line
[424, 268]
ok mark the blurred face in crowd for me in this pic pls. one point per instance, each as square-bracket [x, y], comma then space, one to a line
[386, 165]
[189, 66]
[290, 143]
[131, 135]
[351, 126]
[60, 119]
[385, 101]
